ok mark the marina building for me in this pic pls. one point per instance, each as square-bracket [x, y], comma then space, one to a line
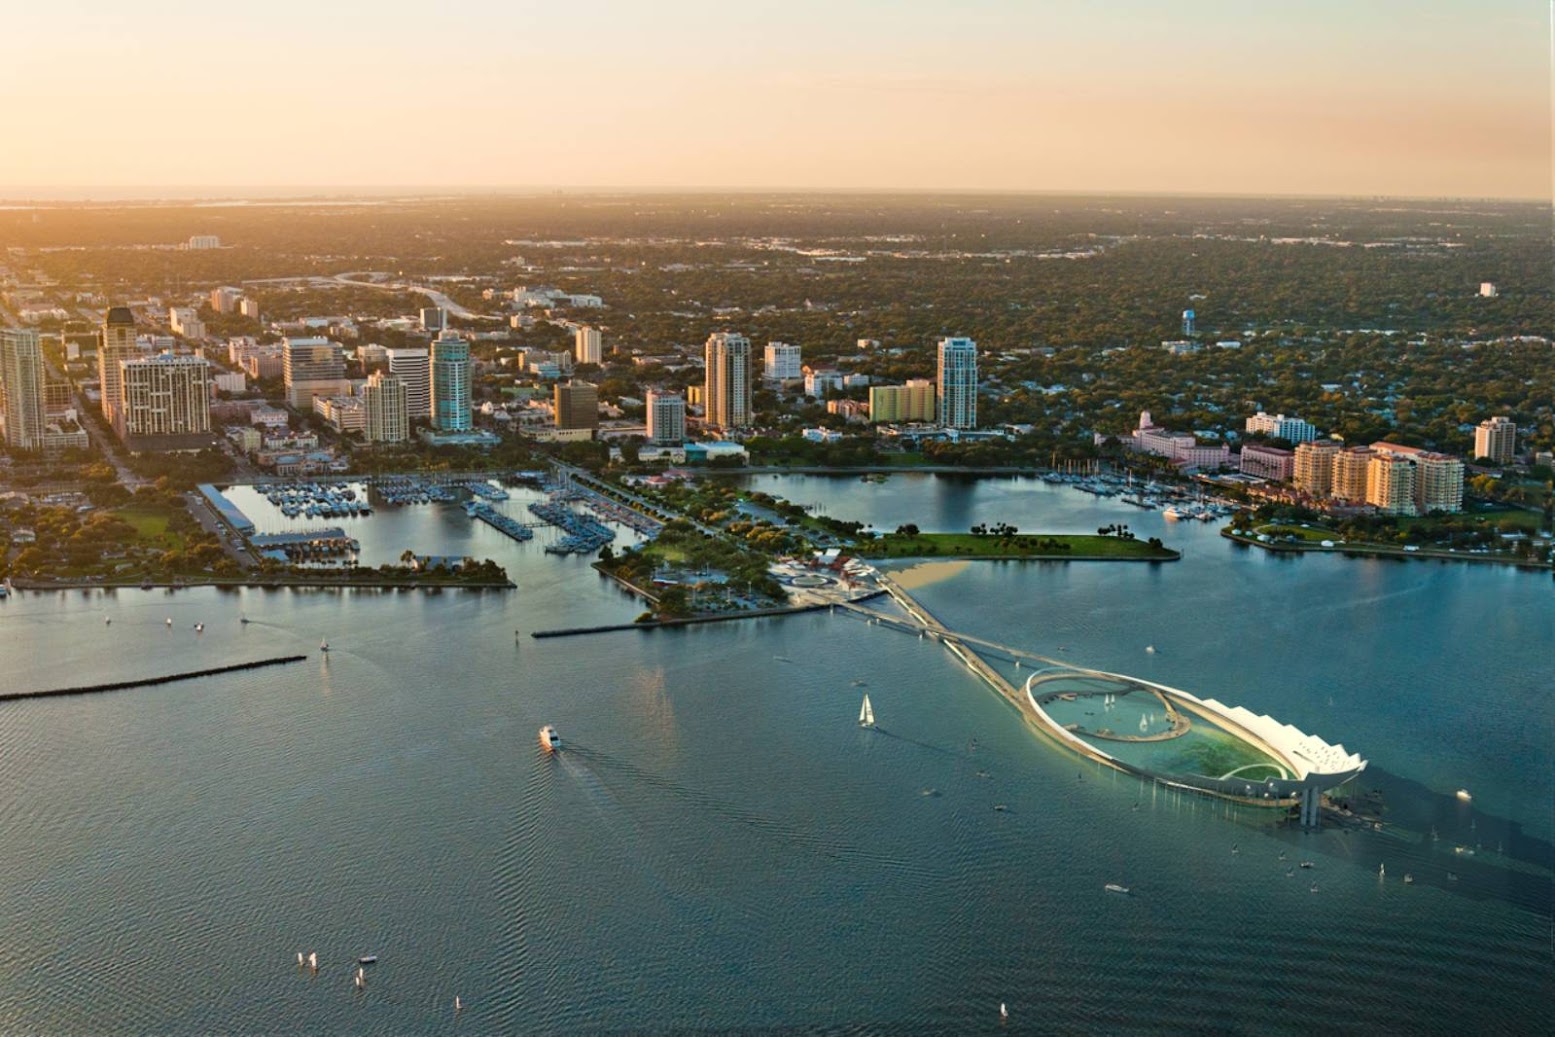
[577, 405]
[666, 418]
[1496, 438]
[1313, 468]
[783, 363]
[450, 373]
[588, 346]
[21, 387]
[387, 408]
[312, 367]
[957, 384]
[894, 404]
[1268, 462]
[727, 398]
[413, 367]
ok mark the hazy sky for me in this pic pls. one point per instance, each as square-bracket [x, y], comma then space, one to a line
[1245, 96]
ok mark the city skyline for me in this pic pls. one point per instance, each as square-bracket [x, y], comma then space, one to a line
[1209, 98]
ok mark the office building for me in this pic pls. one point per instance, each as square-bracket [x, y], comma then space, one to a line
[1496, 438]
[204, 241]
[1349, 474]
[449, 364]
[577, 405]
[225, 299]
[185, 321]
[894, 404]
[783, 363]
[118, 345]
[1438, 478]
[166, 395]
[21, 382]
[1314, 466]
[1390, 485]
[1280, 427]
[413, 367]
[1267, 462]
[387, 404]
[957, 390]
[822, 380]
[588, 346]
[433, 319]
[727, 400]
[312, 367]
[666, 418]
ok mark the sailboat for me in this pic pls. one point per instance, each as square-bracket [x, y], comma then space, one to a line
[458, 1004]
[1004, 1013]
[866, 714]
[1144, 725]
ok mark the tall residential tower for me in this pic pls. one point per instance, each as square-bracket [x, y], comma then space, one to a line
[957, 377]
[727, 400]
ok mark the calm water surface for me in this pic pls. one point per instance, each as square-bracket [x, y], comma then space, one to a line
[722, 849]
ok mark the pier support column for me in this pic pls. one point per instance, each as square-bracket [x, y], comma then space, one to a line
[1311, 807]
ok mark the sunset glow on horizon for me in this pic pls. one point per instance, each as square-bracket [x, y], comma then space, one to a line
[1203, 96]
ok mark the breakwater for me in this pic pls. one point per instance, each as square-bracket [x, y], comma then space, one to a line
[146, 682]
[658, 624]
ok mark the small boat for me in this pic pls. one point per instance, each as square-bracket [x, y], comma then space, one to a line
[550, 741]
[1306, 864]
[1004, 1013]
[299, 959]
[367, 959]
[1463, 794]
[1314, 887]
[1409, 880]
[361, 980]
[107, 621]
[1113, 887]
[323, 646]
[458, 1004]
[1000, 807]
[244, 621]
[866, 714]
[199, 628]
[169, 620]
[1149, 649]
[313, 960]
[1382, 870]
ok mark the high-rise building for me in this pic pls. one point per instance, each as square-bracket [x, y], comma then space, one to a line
[1390, 485]
[451, 383]
[185, 321]
[783, 363]
[413, 367]
[226, 299]
[957, 370]
[117, 345]
[727, 400]
[1438, 478]
[1267, 462]
[21, 382]
[666, 418]
[1496, 438]
[433, 319]
[1348, 481]
[313, 367]
[1278, 425]
[166, 395]
[577, 405]
[388, 408]
[588, 346]
[1315, 466]
[249, 308]
[914, 401]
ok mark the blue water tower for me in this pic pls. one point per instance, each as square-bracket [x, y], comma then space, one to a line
[1187, 322]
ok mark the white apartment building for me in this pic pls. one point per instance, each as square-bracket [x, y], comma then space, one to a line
[783, 363]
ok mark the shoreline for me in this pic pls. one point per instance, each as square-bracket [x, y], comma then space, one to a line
[1382, 551]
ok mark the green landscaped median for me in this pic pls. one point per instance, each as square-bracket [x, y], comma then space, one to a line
[1058, 546]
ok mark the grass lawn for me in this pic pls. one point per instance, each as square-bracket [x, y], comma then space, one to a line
[1311, 536]
[965, 545]
[150, 525]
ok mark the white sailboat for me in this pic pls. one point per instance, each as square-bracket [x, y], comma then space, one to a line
[1144, 724]
[866, 714]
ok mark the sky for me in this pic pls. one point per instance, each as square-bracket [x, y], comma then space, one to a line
[1308, 97]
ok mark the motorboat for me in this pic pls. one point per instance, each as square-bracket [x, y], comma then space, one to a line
[367, 959]
[550, 741]
[1463, 794]
[1113, 887]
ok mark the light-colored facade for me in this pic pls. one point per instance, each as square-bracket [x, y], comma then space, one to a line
[117, 345]
[388, 408]
[588, 346]
[344, 413]
[957, 382]
[1313, 472]
[913, 402]
[313, 367]
[204, 241]
[1496, 438]
[1267, 462]
[819, 382]
[783, 362]
[1438, 479]
[21, 379]
[226, 299]
[1182, 448]
[728, 379]
[413, 367]
[1390, 485]
[666, 418]
[185, 321]
[1281, 427]
[577, 405]
[166, 395]
[1348, 477]
[451, 384]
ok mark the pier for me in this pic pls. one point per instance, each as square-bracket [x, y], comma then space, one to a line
[146, 682]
